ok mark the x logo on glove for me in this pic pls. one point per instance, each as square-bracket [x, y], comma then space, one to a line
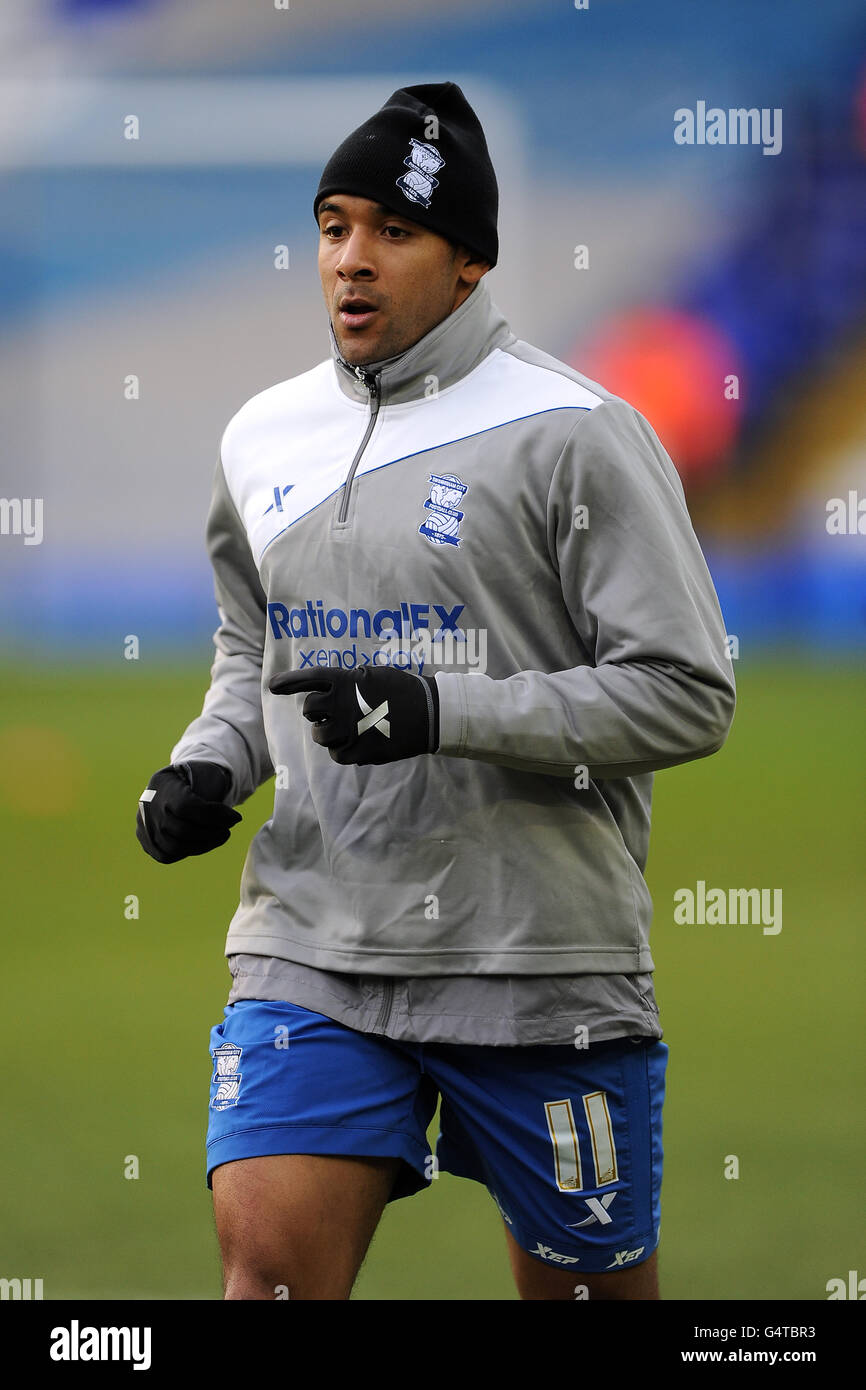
[399, 711]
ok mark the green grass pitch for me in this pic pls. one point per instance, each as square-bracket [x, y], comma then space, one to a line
[106, 1018]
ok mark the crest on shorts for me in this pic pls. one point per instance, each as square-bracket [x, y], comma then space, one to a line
[443, 518]
[423, 162]
[226, 1077]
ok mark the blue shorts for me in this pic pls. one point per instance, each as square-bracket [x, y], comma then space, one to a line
[567, 1141]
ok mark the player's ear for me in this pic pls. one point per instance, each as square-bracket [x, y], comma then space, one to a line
[469, 264]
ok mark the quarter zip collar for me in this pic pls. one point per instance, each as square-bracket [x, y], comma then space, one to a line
[448, 352]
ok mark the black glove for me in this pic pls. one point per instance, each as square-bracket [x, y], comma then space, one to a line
[181, 811]
[376, 715]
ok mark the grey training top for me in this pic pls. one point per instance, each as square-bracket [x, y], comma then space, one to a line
[478, 510]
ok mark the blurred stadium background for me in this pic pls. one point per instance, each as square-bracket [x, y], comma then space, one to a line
[155, 258]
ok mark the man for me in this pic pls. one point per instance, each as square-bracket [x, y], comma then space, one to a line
[449, 897]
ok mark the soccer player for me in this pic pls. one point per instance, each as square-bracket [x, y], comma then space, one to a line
[463, 619]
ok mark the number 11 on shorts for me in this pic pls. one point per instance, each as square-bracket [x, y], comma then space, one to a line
[566, 1148]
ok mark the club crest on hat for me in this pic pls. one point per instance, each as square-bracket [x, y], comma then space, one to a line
[423, 161]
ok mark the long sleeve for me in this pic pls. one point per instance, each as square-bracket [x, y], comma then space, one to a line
[230, 729]
[657, 686]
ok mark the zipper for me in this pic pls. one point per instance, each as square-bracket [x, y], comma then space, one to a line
[371, 381]
[387, 996]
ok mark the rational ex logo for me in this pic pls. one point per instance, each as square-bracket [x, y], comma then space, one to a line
[311, 619]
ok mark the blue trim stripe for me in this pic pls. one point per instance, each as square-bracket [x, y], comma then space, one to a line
[417, 454]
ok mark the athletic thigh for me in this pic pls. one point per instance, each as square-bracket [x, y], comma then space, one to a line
[313, 1127]
[298, 1225]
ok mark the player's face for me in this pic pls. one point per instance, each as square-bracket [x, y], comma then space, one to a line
[387, 280]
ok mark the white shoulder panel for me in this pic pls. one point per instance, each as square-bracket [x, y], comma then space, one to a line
[290, 448]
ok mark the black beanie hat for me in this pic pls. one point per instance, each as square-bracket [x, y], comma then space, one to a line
[424, 155]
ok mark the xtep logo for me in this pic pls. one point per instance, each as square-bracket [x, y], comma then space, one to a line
[373, 718]
[547, 1254]
[624, 1257]
[279, 494]
[598, 1207]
